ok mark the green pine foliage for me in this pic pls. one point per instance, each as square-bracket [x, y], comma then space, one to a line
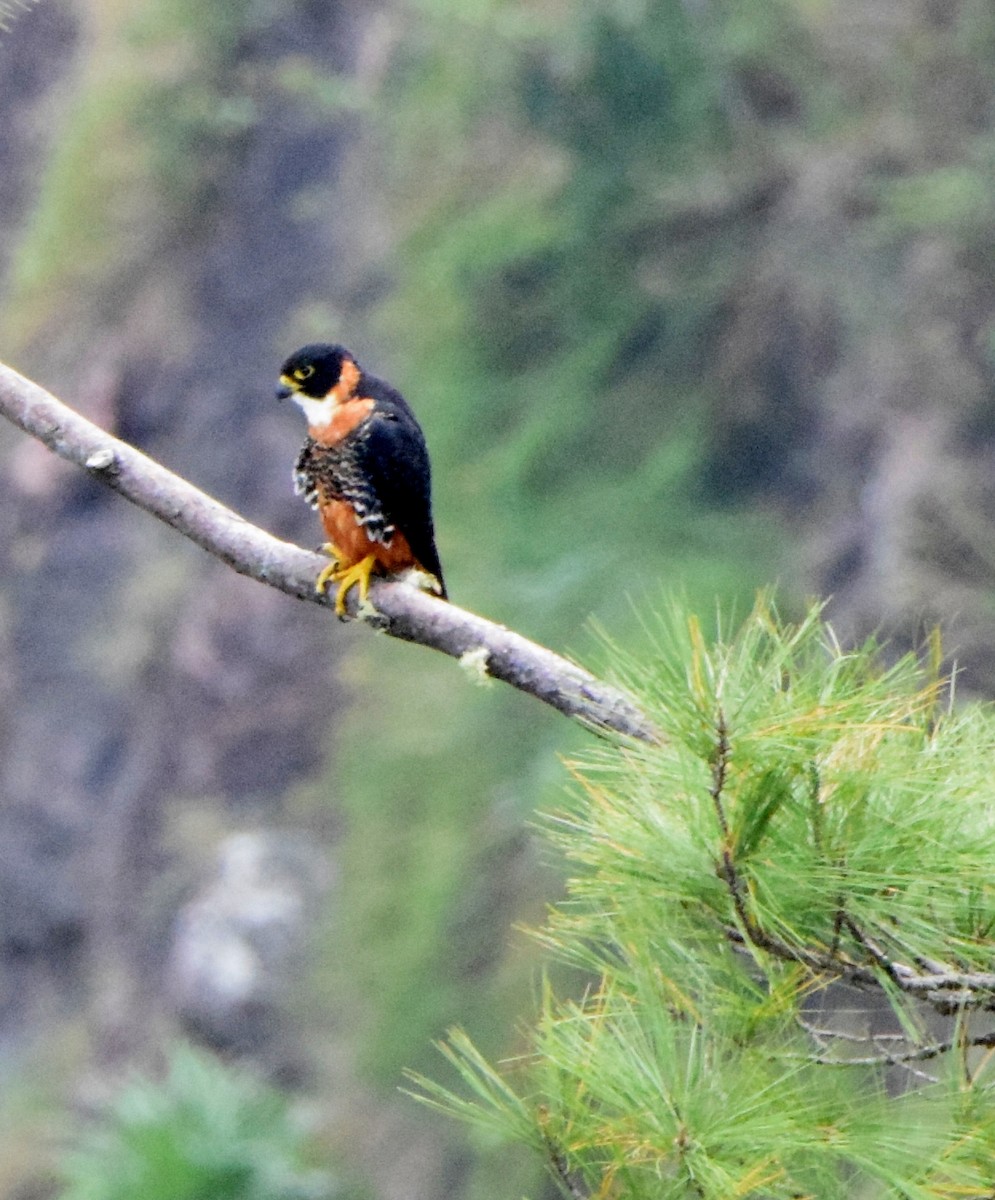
[810, 816]
[205, 1130]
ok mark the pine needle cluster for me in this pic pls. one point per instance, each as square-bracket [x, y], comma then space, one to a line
[786, 911]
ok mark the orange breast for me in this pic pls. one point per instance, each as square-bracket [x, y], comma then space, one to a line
[349, 537]
[345, 417]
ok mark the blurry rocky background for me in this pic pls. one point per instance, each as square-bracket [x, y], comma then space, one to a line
[690, 296]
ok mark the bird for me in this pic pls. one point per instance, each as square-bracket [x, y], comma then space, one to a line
[365, 468]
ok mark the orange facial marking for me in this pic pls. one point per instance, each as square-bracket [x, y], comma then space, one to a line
[345, 389]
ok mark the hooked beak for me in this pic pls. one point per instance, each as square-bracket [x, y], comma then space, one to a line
[285, 390]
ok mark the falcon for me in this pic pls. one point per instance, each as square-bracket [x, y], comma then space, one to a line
[365, 468]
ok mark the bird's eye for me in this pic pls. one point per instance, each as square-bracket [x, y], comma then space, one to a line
[303, 373]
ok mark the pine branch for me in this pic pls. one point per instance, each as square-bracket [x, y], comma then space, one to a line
[401, 610]
[949, 992]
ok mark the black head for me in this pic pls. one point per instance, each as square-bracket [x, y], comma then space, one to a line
[313, 370]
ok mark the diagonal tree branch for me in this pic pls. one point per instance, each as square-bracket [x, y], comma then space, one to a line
[401, 610]
[404, 612]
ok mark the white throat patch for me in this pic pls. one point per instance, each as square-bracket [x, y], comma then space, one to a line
[318, 412]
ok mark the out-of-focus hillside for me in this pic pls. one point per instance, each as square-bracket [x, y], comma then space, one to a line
[686, 296]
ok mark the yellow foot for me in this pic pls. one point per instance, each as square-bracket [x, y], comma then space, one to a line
[347, 577]
[327, 574]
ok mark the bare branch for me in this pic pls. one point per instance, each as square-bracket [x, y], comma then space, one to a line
[727, 869]
[566, 1180]
[842, 1035]
[401, 610]
[886, 1057]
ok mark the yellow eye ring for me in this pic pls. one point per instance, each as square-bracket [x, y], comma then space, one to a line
[304, 372]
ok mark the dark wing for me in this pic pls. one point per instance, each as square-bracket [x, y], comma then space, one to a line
[396, 488]
[307, 470]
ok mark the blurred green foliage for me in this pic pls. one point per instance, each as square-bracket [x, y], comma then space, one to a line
[160, 111]
[203, 1130]
[956, 198]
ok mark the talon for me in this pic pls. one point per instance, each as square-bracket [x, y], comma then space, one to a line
[347, 577]
[325, 577]
[358, 573]
[327, 574]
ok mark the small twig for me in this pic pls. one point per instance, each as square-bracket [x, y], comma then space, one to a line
[964, 1043]
[841, 1035]
[751, 932]
[681, 1143]
[401, 611]
[839, 920]
[895, 971]
[930, 965]
[896, 1058]
[913, 1071]
[951, 982]
[720, 769]
[815, 791]
[560, 1167]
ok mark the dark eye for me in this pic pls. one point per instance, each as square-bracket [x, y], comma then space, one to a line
[304, 372]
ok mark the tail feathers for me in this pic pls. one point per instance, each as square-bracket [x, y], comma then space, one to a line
[426, 581]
